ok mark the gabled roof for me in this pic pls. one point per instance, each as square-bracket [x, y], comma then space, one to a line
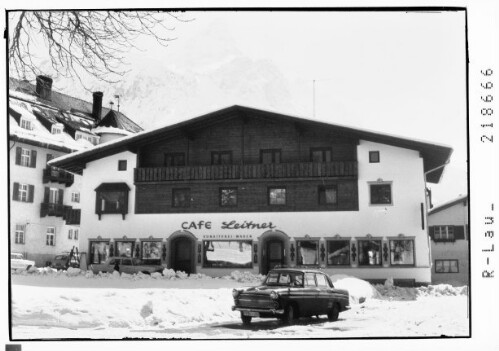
[115, 119]
[461, 199]
[433, 155]
[71, 105]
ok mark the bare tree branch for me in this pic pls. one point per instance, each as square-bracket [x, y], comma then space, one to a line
[82, 42]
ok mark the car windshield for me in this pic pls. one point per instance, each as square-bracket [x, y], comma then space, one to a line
[284, 279]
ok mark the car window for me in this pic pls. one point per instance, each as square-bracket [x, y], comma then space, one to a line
[310, 279]
[284, 279]
[272, 278]
[136, 261]
[297, 279]
[126, 262]
[113, 261]
[321, 281]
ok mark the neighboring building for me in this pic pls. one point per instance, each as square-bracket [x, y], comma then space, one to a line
[45, 201]
[450, 242]
[246, 189]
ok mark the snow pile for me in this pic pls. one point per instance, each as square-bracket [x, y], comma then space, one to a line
[358, 289]
[245, 277]
[442, 290]
[391, 292]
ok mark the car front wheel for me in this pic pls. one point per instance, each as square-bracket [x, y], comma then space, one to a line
[246, 319]
[333, 313]
[290, 314]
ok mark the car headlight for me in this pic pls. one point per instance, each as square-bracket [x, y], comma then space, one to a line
[235, 293]
[274, 295]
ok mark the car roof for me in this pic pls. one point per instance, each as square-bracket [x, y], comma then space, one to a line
[301, 270]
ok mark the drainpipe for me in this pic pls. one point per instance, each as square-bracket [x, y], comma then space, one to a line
[426, 212]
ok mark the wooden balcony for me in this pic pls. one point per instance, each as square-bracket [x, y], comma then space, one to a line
[338, 169]
[51, 174]
[71, 215]
[50, 209]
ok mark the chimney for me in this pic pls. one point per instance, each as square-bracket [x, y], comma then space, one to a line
[44, 87]
[97, 106]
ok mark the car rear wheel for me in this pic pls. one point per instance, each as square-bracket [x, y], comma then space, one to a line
[246, 319]
[290, 314]
[333, 313]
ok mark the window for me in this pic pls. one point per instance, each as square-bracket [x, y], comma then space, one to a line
[181, 197]
[338, 252]
[373, 156]
[99, 251]
[53, 195]
[401, 252]
[320, 154]
[227, 254]
[228, 197]
[75, 197]
[50, 236]
[175, 159]
[25, 157]
[122, 165]
[56, 129]
[270, 156]
[446, 266]
[23, 192]
[25, 124]
[112, 198]
[381, 194]
[307, 252]
[443, 233]
[328, 195]
[369, 252]
[151, 250]
[221, 157]
[76, 234]
[277, 196]
[70, 234]
[19, 237]
[284, 279]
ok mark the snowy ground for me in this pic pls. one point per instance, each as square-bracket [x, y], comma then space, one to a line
[55, 306]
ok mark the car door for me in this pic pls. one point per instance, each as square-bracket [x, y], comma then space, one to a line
[127, 266]
[310, 295]
[325, 296]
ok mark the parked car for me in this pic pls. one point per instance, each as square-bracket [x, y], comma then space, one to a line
[289, 293]
[125, 265]
[63, 261]
[17, 261]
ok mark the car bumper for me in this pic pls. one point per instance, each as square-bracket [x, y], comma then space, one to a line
[259, 310]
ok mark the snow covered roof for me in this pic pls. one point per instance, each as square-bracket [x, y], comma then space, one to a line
[434, 155]
[460, 199]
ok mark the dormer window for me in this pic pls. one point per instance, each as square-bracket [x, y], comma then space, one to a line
[90, 138]
[26, 124]
[56, 129]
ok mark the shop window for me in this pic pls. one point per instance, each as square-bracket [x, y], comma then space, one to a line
[338, 252]
[307, 252]
[122, 165]
[181, 197]
[112, 198]
[124, 249]
[443, 233]
[50, 236]
[19, 235]
[369, 252]
[277, 196]
[227, 254]
[322, 154]
[373, 156]
[228, 197]
[328, 195]
[268, 156]
[446, 266]
[401, 252]
[381, 194]
[174, 159]
[99, 251]
[221, 157]
[151, 250]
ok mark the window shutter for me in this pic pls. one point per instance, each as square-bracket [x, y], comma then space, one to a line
[15, 192]
[53, 242]
[459, 232]
[431, 231]
[18, 155]
[33, 159]
[61, 196]
[31, 193]
[47, 194]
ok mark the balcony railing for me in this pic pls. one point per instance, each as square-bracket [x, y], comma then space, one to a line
[51, 174]
[347, 169]
[50, 209]
[71, 215]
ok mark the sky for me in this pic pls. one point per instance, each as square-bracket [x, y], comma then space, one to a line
[392, 72]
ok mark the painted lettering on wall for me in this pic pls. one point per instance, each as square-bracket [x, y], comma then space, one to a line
[228, 225]
[196, 225]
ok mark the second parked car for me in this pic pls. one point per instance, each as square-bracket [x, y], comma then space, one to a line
[125, 265]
